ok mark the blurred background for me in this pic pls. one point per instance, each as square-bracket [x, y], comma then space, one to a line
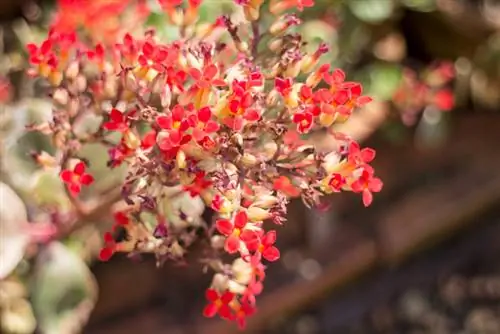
[424, 258]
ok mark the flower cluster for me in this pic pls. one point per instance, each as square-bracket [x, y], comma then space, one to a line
[218, 116]
[428, 88]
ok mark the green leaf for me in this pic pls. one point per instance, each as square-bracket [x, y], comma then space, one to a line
[384, 79]
[372, 11]
[49, 189]
[63, 290]
[420, 5]
[13, 240]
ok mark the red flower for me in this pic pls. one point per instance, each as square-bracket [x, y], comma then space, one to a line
[304, 121]
[234, 231]
[175, 125]
[199, 184]
[337, 181]
[117, 121]
[121, 219]
[218, 304]
[284, 185]
[360, 157]
[207, 78]
[75, 178]
[242, 312]
[149, 140]
[109, 247]
[367, 184]
[283, 86]
[264, 244]
[202, 124]
[444, 100]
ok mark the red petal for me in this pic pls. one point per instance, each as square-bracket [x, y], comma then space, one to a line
[341, 97]
[79, 168]
[224, 226]
[247, 100]
[375, 185]
[271, 254]
[195, 73]
[211, 126]
[164, 122]
[210, 71]
[251, 239]
[149, 140]
[218, 82]
[121, 218]
[225, 312]
[66, 175]
[252, 115]
[338, 75]
[232, 244]
[367, 197]
[210, 310]
[148, 49]
[227, 297]
[204, 114]
[211, 295]
[198, 134]
[363, 100]
[368, 154]
[116, 116]
[106, 253]
[74, 189]
[269, 239]
[241, 219]
[86, 179]
[178, 113]
[357, 186]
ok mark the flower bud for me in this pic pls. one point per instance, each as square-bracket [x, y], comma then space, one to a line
[237, 139]
[131, 140]
[190, 16]
[220, 282]
[176, 16]
[251, 14]
[248, 160]
[266, 201]
[130, 81]
[256, 214]
[326, 119]
[272, 98]
[81, 83]
[180, 159]
[217, 241]
[242, 46]
[61, 96]
[73, 70]
[275, 45]
[45, 160]
[293, 69]
[55, 78]
[283, 23]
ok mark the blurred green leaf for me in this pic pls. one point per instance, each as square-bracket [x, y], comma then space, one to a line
[383, 80]
[49, 189]
[372, 11]
[317, 31]
[63, 290]
[13, 240]
[420, 5]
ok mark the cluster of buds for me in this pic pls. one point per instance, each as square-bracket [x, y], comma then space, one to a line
[427, 88]
[226, 122]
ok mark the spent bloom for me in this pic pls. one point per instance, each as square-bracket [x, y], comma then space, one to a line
[206, 119]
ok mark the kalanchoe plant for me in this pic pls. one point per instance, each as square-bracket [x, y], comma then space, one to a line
[225, 122]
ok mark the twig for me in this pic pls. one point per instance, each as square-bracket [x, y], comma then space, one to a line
[87, 215]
